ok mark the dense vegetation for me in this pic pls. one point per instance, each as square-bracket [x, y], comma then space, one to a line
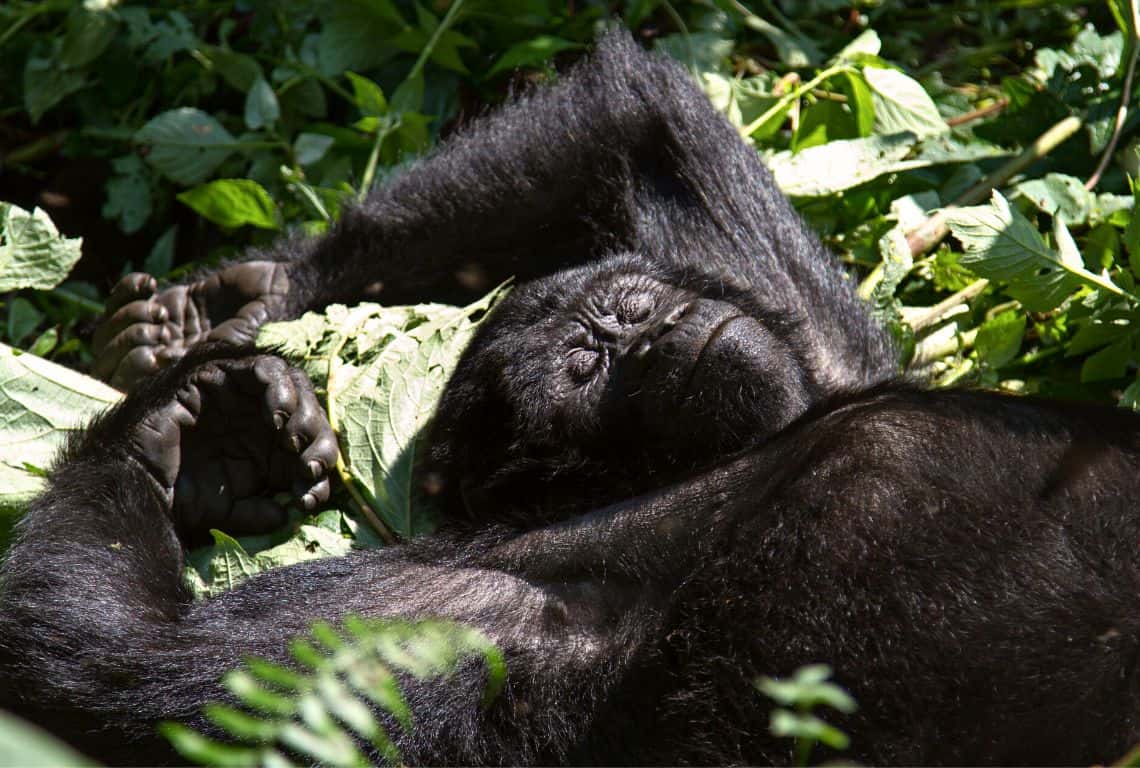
[973, 163]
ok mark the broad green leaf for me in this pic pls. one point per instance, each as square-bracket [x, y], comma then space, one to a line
[999, 339]
[129, 197]
[41, 403]
[228, 566]
[1111, 362]
[261, 107]
[160, 260]
[901, 104]
[46, 83]
[840, 165]
[23, 317]
[866, 44]
[229, 561]
[237, 69]
[1001, 244]
[88, 35]
[309, 148]
[233, 203]
[794, 50]
[383, 369]
[186, 144]
[369, 97]
[32, 252]
[531, 53]
[355, 35]
[1058, 194]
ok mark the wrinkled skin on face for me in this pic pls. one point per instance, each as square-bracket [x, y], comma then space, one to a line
[610, 379]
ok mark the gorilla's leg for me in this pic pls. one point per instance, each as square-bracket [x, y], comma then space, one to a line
[623, 154]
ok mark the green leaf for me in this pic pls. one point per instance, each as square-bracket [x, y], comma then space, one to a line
[901, 104]
[1111, 362]
[88, 35]
[24, 744]
[840, 165]
[808, 727]
[46, 83]
[32, 252]
[41, 403]
[384, 369]
[355, 35]
[233, 203]
[237, 69]
[409, 95]
[261, 107]
[1001, 244]
[1058, 194]
[23, 317]
[795, 51]
[999, 339]
[160, 260]
[367, 95]
[531, 53]
[309, 148]
[186, 144]
[129, 197]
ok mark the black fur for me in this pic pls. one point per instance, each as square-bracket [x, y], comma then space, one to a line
[642, 528]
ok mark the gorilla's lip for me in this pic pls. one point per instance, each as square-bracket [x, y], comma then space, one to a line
[714, 335]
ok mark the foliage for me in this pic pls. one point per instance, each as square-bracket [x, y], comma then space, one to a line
[340, 707]
[382, 371]
[799, 696]
[23, 744]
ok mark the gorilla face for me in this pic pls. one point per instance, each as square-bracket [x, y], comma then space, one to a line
[604, 380]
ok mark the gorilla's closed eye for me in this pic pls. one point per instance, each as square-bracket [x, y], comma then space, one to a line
[583, 363]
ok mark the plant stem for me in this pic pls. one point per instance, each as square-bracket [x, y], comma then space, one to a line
[1121, 115]
[930, 232]
[783, 103]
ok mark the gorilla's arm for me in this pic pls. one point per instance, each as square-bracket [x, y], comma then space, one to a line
[99, 639]
[623, 154]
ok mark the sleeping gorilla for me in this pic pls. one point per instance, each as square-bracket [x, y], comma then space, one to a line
[675, 458]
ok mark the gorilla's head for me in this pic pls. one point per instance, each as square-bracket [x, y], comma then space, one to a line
[603, 381]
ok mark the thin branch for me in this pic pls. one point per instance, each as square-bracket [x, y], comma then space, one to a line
[930, 232]
[1121, 115]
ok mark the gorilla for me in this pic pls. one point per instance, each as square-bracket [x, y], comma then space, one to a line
[676, 457]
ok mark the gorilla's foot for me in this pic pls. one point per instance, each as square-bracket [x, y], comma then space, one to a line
[146, 329]
[231, 435]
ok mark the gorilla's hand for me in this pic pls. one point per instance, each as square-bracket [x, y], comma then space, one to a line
[145, 330]
[236, 432]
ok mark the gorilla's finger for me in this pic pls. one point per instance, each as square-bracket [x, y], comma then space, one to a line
[137, 335]
[136, 364]
[144, 312]
[321, 454]
[306, 424]
[312, 496]
[236, 330]
[136, 285]
[254, 516]
[282, 395]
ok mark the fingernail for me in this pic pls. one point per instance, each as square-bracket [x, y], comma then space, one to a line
[309, 501]
[278, 419]
[316, 469]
